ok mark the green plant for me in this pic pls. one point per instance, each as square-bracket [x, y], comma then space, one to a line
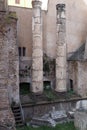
[64, 126]
[50, 95]
[6, 19]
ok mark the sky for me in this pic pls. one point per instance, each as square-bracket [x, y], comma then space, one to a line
[27, 3]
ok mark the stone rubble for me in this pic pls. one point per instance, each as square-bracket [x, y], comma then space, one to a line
[52, 118]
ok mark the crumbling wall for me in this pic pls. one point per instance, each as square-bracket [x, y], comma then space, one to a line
[13, 62]
[77, 71]
[6, 116]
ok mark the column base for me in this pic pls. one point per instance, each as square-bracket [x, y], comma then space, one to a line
[61, 90]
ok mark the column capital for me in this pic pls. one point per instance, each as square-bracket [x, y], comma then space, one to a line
[61, 11]
[60, 7]
[36, 3]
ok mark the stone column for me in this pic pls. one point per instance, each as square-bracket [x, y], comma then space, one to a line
[61, 49]
[37, 48]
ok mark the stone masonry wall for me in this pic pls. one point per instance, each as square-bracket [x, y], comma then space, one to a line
[6, 116]
[13, 63]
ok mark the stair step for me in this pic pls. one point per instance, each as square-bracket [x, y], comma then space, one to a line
[15, 108]
[15, 111]
[20, 125]
[18, 117]
[16, 114]
[19, 120]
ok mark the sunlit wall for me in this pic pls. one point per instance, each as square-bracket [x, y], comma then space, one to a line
[85, 1]
[27, 3]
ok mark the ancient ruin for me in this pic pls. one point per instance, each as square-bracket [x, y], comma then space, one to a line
[43, 52]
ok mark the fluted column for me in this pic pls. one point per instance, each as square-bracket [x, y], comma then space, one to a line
[61, 49]
[37, 49]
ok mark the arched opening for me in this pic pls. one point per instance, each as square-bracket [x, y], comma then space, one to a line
[24, 88]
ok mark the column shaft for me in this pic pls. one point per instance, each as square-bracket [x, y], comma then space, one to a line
[61, 49]
[37, 49]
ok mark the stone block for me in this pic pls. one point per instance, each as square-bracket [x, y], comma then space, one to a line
[37, 76]
[36, 12]
[37, 64]
[61, 61]
[37, 41]
[37, 20]
[61, 50]
[60, 73]
[37, 53]
[81, 105]
[37, 29]
[37, 87]
[61, 28]
[61, 38]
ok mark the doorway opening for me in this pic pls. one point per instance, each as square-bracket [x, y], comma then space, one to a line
[71, 85]
[24, 88]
